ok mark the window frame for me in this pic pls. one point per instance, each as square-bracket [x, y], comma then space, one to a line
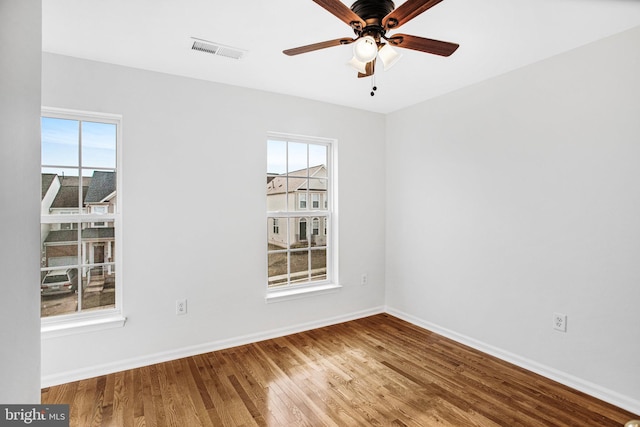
[92, 320]
[329, 213]
[95, 212]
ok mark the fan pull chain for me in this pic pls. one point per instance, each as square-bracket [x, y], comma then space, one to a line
[374, 88]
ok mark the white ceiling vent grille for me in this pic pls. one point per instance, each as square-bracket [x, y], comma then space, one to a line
[217, 49]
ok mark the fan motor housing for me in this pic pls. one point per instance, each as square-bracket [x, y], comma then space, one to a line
[372, 9]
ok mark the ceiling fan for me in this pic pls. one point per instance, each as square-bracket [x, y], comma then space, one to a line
[370, 21]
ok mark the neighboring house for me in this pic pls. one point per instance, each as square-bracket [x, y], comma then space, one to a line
[101, 194]
[305, 191]
[50, 188]
[61, 196]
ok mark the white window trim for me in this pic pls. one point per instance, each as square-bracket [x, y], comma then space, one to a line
[332, 284]
[302, 292]
[93, 320]
[302, 198]
[95, 211]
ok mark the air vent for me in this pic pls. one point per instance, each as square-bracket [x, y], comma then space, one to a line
[217, 49]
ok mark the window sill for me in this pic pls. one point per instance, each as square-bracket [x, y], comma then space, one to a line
[71, 325]
[290, 294]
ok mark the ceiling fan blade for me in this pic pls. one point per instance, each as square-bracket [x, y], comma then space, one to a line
[370, 68]
[436, 47]
[317, 46]
[342, 12]
[407, 11]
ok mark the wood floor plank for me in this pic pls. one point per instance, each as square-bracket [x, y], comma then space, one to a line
[273, 407]
[376, 371]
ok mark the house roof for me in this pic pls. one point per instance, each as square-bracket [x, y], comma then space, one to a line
[61, 236]
[71, 236]
[102, 185]
[67, 197]
[98, 233]
[95, 189]
[298, 181]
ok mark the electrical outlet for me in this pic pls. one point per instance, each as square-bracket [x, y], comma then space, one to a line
[560, 322]
[364, 279]
[181, 306]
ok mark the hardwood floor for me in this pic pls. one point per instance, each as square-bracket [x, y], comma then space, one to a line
[376, 371]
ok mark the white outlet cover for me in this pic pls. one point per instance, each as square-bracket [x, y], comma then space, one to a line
[560, 322]
[181, 306]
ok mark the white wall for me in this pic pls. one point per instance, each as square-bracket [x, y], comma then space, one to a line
[194, 213]
[518, 197]
[20, 62]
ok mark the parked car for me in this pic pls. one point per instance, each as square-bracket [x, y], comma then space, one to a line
[59, 282]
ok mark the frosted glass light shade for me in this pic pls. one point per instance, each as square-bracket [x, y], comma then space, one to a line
[358, 65]
[365, 49]
[389, 56]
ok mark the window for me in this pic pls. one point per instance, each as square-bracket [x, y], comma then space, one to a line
[300, 256]
[80, 216]
[99, 210]
[276, 226]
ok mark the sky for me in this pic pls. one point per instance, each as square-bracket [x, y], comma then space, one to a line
[62, 150]
[297, 155]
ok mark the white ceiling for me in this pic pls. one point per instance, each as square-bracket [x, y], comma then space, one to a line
[495, 36]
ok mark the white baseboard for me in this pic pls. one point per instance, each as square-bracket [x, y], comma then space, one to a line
[604, 394]
[137, 362]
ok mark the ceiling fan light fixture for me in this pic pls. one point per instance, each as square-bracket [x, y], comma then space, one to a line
[389, 56]
[359, 66]
[370, 20]
[365, 49]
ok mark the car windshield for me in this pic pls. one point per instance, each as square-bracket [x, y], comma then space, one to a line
[56, 278]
